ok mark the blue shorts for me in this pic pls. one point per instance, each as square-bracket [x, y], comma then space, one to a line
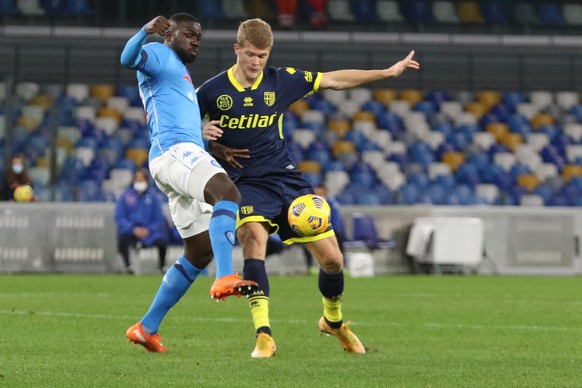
[266, 199]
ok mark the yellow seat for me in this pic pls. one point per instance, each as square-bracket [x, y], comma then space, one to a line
[43, 161]
[469, 12]
[512, 140]
[42, 101]
[385, 96]
[498, 130]
[489, 98]
[28, 123]
[309, 166]
[454, 159]
[110, 112]
[364, 116]
[299, 107]
[259, 9]
[570, 171]
[64, 143]
[541, 119]
[102, 91]
[477, 108]
[528, 181]
[138, 155]
[339, 126]
[341, 147]
[412, 96]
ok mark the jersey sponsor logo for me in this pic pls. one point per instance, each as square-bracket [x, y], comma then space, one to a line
[224, 102]
[248, 101]
[246, 210]
[247, 121]
[269, 98]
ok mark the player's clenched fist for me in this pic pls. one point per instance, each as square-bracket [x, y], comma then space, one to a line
[158, 25]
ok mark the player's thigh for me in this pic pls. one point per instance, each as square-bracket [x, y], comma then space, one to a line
[185, 169]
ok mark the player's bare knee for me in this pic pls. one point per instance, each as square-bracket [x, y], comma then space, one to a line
[331, 266]
[221, 188]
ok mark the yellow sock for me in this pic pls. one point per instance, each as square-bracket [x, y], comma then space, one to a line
[332, 309]
[259, 305]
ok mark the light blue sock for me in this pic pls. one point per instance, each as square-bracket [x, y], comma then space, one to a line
[175, 284]
[222, 231]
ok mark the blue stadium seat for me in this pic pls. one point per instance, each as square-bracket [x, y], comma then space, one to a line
[376, 107]
[209, 9]
[445, 127]
[494, 13]
[550, 14]
[297, 152]
[356, 137]
[447, 181]
[327, 107]
[131, 92]
[364, 10]
[437, 194]
[421, 153]
[462, 195]
[362, 174]
[384, 193]
[8, 7]
[314, 178]
[502, 111]
[437, 97]
[468, 173]
[418, 11]
[319, 151]
[79, 8]
[418, 179]
[552, 131]
[408, 194]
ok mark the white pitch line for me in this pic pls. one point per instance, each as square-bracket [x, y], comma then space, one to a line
[434, 325]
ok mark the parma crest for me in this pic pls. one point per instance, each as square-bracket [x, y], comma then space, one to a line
[269, 98]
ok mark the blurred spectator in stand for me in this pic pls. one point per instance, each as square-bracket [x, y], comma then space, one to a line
[338, 226]
[140, 220]
[16, 175]
[316, 9]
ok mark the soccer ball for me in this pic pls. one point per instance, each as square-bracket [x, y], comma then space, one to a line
[309, 215]
[23, 193]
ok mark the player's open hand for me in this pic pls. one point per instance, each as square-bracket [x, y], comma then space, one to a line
[405, 64]
[158, 25]
[211, 130]
[229, 155]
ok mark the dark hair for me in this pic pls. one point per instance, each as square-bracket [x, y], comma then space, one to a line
[183, 17]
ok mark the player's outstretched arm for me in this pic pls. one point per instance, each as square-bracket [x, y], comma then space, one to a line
[131, 54]
[346, 79]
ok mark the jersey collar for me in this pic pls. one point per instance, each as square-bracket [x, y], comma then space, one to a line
[237, 85]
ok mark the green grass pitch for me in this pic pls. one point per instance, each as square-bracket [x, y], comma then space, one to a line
[421, 331]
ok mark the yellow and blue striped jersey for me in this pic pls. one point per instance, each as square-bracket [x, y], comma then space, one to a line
[251, 117]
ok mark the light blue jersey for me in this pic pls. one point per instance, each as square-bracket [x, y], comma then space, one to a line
[168, 96]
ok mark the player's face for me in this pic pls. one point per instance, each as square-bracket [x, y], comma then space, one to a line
[251, 60]
[185, 41]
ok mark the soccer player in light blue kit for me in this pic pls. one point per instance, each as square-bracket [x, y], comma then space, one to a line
[203, 200]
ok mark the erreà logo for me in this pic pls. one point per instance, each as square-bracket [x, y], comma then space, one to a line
[247, 210]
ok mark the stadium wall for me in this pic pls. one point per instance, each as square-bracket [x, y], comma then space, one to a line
[450, 61]
[80, 237]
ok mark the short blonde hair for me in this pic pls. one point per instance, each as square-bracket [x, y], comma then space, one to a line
[256, 32]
